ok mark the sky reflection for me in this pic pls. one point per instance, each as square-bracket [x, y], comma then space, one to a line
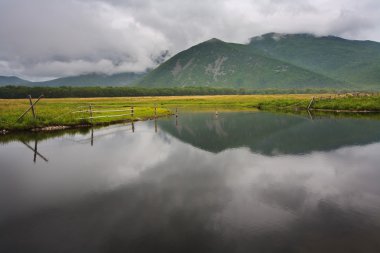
[143, 191]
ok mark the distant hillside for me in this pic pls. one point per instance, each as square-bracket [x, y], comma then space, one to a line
[217, 63]
[273, 61]
[94, 79]
[354, 62]
[12, 80]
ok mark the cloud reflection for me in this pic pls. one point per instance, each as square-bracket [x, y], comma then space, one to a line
[146, 191]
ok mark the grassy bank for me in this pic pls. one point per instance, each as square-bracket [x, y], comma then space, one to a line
[75, 111]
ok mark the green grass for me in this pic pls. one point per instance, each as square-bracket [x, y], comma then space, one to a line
[71, 112]
[58, 112]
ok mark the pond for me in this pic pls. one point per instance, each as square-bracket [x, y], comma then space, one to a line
[200, 182]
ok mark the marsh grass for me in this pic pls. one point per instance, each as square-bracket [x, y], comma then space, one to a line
[59, 112]
[52, 112]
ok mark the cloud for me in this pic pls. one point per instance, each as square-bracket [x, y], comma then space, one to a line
[52, 38]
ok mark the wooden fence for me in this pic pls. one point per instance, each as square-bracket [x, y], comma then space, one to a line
[89, 112]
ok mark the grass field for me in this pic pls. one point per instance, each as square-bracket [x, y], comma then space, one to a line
[75, 111]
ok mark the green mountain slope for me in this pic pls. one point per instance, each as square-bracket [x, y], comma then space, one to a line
[12, 80]
[217, 63]
[354, 62]
[94, 79]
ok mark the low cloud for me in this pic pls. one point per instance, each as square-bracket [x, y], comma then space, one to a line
[51, 38]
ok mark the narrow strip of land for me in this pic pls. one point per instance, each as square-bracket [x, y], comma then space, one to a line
[64, 111]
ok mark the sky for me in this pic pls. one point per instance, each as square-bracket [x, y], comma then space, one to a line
[46, 39]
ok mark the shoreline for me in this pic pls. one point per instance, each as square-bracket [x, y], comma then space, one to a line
[60, 114]
[56, 128]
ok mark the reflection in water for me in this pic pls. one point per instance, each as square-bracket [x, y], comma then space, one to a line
[153, 192]
[271, 134]
[35, 152]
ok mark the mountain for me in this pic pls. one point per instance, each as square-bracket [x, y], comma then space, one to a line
[12, 80]
[94, 79]
[273, 61]
[217, 63]
[353, 62]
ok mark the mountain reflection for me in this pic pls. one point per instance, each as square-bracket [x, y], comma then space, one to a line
[144, 191]
[269, 133]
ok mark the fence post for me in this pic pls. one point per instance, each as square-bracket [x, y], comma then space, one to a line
[132, 111]
[155, 110]
[176, 112]
[30, 107]
[31, 104]
[310, 104]
[91, 118]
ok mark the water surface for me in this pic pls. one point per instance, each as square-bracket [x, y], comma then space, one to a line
[235, 182]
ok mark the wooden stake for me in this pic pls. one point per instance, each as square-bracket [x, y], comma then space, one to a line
[132, 111]
[310, 104]
[31, 104]
[30, 108]
[91, 118]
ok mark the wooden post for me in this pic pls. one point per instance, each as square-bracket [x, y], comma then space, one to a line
[22, 115]
[90, 110]
[155, 111]
[31, 104]
[155, 125]
[176, 112]
[132, 111]
[310, 104]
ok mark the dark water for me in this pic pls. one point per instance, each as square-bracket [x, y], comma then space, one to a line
[239, 182]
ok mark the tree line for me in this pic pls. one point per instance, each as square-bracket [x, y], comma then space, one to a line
[76, 92]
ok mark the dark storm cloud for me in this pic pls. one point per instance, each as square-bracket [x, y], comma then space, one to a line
[52, 38]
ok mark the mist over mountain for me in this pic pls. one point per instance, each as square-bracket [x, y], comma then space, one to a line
[350, 61]
[271, 60]
[12, 80]
[92, 79]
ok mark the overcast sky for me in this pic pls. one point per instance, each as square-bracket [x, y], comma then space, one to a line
[42, 39]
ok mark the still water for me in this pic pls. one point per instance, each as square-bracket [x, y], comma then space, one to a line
[236, 182]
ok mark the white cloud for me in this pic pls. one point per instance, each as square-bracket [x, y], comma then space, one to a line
[51, 38]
